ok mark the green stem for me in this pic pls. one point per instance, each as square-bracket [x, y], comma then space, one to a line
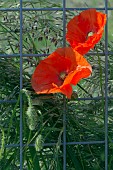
[2, 142]
[100, 76]
[84, 90]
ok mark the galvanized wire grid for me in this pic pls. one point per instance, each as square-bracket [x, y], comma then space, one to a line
[63, 9]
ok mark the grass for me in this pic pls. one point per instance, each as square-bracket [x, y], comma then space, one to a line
[42, 114]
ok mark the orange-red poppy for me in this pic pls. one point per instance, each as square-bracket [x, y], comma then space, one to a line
[85, 30]
[59, 71]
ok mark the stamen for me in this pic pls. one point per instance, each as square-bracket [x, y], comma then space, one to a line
[63, 75]
[89, 34]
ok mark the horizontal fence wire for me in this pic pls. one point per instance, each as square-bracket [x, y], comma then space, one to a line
[76, 99]
[44, 55]
[106, 98]
[50, 9]
[54, 144]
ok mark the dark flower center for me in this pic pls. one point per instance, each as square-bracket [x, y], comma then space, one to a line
[63, 75]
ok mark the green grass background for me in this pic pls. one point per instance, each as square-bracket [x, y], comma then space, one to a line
[42, 114]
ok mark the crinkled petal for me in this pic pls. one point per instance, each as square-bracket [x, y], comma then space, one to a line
[58, 61]
[46, 77]
[43, 77]
[78, 28]
[66, 90]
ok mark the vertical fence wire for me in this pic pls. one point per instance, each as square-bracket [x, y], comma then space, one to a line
[106, 88]
[64, 109]
[21, 85]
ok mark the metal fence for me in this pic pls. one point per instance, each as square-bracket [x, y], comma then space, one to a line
[21, 55]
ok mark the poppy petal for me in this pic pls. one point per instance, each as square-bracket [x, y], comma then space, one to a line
[66, 90]
[58, 61]
[78, 28]
[46, 77]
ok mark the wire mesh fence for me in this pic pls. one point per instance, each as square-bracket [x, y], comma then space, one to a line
[23, 28]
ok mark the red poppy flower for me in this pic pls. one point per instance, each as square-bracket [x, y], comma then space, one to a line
[85, 30]
[60, 70]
